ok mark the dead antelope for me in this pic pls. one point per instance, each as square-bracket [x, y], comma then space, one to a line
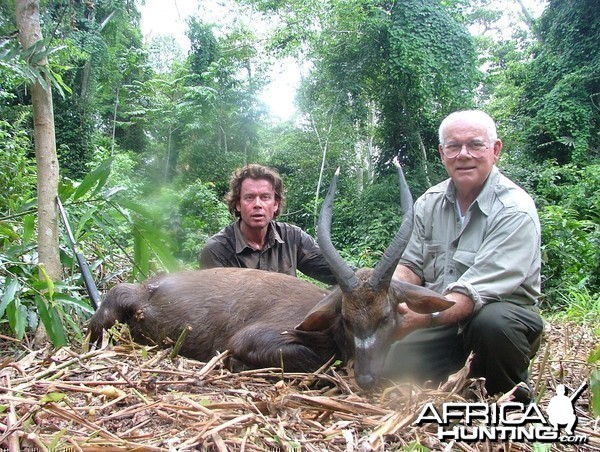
[270, 319]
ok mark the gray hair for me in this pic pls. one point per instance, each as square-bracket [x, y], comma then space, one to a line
[477, 116]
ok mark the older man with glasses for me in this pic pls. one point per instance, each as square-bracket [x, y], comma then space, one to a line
[476, 240]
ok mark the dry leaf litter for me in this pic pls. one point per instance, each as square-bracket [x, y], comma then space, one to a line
[128, 397]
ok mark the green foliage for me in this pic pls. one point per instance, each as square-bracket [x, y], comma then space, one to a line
[107, 57]
[595, 391]
[17, 178]
[594, 359]
[384, 73]
[28, 296]
[422, 83]
[219, 108]
[567, 118]
[570, 252]
[426, 47]
[297, 156]
[580, 305]
[145, 157]
[204, 47]
[75, 133]
[568, 200]
[558, 109]
[27, 300]
[415, 446]
[28, 64]
[363, 227]
[188, 217]
[202, 213]
[107, 229]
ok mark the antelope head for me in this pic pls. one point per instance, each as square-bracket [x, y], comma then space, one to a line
[367, 299]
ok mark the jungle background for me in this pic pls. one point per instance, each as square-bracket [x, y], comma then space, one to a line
[138, 136]
[147, 134]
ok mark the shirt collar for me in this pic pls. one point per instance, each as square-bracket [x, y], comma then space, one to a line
[485, 198]
[240, 241]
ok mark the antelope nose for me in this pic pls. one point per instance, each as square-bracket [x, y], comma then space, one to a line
[365, 381]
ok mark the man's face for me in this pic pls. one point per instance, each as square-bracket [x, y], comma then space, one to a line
[257, 204]
[466, 171]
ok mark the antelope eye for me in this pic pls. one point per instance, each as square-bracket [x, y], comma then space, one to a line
[384, 320]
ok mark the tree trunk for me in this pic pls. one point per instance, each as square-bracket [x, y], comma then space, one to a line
[28, 24]
[114, 126]
[323, 144]
[424, 155]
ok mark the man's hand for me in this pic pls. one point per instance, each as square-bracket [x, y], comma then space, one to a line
[410, 321]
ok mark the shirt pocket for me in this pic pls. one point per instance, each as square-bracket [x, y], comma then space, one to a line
[434, 258]
[463, 260]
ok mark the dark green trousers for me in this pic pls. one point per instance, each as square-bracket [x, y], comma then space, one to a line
[503, 336]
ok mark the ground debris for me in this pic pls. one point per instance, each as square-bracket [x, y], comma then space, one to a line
[134, 398]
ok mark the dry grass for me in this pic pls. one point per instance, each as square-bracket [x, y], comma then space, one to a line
[132, 398]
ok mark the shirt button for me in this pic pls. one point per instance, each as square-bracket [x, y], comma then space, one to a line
[451, 271]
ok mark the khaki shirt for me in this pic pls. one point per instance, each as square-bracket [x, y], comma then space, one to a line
[494, 255]
[288, 249]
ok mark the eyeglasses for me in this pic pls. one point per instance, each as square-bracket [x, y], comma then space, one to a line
[475, 149]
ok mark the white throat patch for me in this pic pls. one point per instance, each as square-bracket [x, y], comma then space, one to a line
[365, 343]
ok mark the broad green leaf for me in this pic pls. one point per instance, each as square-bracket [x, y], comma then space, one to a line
[8, 232]
[594, 355]
[45, 316]
[22, 319]
[96, 178]
[65, 189]
[17, 318]
[28, 227]
[42, 309]
[58, 82]
[52, 397]
[135, 207]
[36, 52]
[59, 336]
[595, 392]
[156, 239]
[8, 296]
[68, 300]
[106, 222]
[27, 205]
[52, 322]
[83, 220]
[48, 280]
[141, 255]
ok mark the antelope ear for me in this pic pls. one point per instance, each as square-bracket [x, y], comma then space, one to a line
[417, 298]
[323, 314]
